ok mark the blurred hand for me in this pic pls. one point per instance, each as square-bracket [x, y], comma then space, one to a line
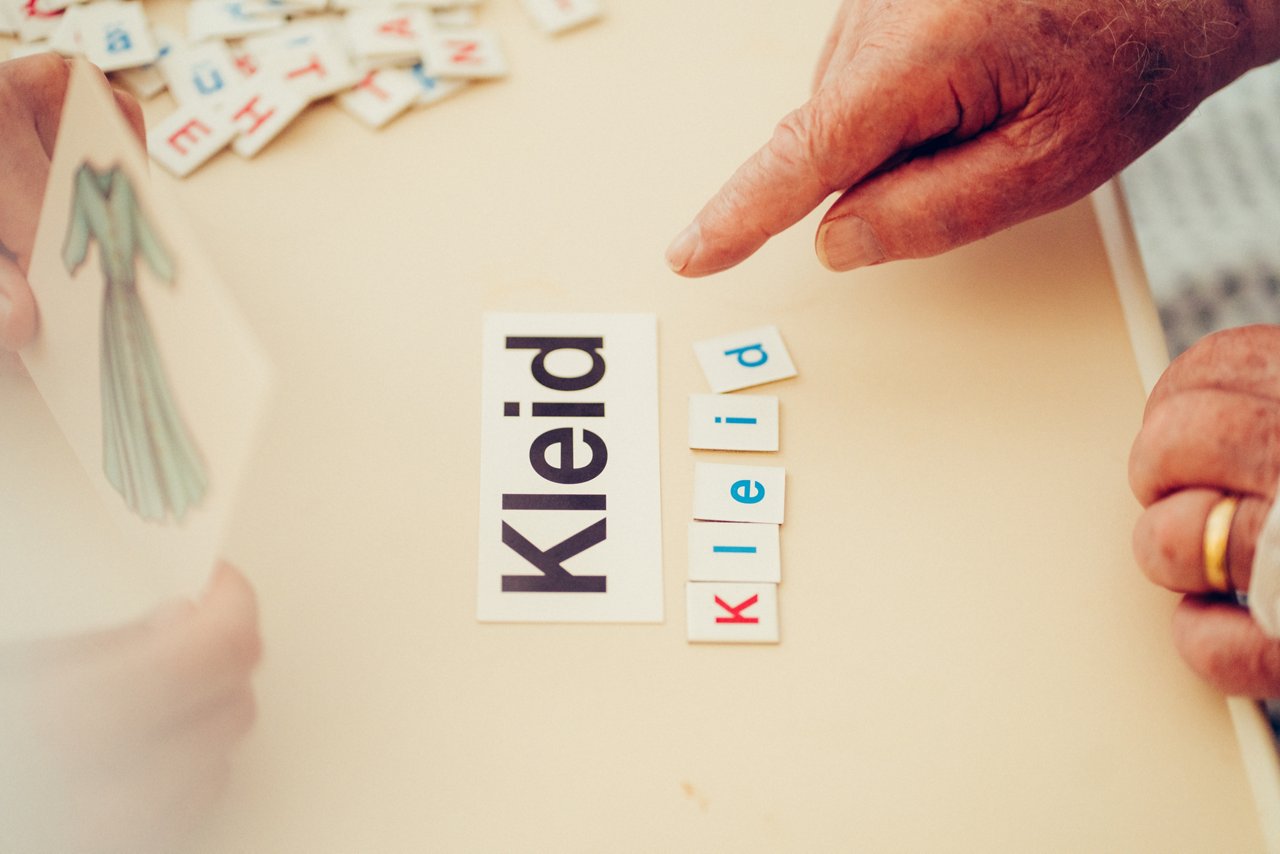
[942, 121]
[1212, 427]
[118, 741]
[31, 92]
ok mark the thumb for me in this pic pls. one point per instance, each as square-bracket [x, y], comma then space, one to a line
[17, 307]
[936, 202]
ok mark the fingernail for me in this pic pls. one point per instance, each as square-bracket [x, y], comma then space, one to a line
[847, 243]
[681, 250]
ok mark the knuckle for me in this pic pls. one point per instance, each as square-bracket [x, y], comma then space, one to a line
[796, 145]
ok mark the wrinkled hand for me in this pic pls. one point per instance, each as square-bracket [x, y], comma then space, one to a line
[942, 121]
[1212, 427]
[31, 93]
[118, 741]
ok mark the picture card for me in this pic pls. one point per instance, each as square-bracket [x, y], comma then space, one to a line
[570, 506]
[733, 422]
[729, 612]
[733, 493]
[744, 359]
[130, 311]
[734, 551]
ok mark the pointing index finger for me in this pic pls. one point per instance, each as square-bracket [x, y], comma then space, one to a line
[846, 130]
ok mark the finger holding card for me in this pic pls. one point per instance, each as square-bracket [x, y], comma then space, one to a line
[143, 360]
[31, 95]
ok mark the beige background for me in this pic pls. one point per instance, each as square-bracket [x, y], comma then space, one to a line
[970, 659]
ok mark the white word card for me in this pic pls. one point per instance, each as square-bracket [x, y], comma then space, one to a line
[727, 612]
[744, 359]
[734, 551]
[570, 508]
[732, 493]
[739, 422]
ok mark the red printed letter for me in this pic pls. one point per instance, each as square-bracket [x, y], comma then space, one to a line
[398, 27]
[315, 66]
[464, 51]
[187, 132]
[736, 610]
[247, 66]
[250, 109]
[368, 85]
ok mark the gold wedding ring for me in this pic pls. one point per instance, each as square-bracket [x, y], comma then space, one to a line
[1217, 530]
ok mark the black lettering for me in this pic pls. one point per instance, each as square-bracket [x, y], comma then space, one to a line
[566, 473]
[555, 578]
[523, 501]
[546, 346]
[568, 410]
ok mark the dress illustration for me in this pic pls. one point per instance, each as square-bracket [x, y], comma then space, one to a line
[148, 455]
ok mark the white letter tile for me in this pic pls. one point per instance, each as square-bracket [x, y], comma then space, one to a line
[743, 359]
[734, 551]
[726, 612]
[733, 493]
[739, 422]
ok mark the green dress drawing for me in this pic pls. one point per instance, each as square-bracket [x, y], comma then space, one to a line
[148, 455]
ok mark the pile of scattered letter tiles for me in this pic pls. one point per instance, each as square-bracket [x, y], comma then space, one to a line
[246, 68]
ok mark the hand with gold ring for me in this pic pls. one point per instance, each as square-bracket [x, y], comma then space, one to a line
[1205, 466]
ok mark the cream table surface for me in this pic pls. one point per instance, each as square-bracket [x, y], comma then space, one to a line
[970, 659]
